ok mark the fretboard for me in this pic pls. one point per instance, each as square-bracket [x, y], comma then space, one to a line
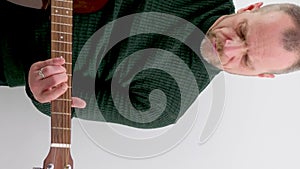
[61, 46]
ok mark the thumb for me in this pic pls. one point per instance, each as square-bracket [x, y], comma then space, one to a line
[78, 103]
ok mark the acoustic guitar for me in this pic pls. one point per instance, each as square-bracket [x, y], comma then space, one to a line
[59, 156]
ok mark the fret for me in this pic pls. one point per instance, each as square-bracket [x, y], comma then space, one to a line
[60, 51]
[61, 128]
[64, 1]
[67, 100]
[59, 109]
[63, 54]
[56, 41]
[60, 15]
[64, 24]
[61, 113]
[56, 127]
[59, 7]
[68, 63]
[60, 32]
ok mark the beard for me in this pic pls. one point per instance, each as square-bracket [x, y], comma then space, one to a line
[211, 52]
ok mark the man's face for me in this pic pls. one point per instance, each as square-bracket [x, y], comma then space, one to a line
[249, 43]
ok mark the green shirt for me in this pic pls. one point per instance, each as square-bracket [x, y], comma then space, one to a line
[144, 80]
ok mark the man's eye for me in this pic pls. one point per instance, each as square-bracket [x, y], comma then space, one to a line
[246, 60]
[242, 34]
[242, 31]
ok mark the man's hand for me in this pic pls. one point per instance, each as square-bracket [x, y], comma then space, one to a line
[48, 80]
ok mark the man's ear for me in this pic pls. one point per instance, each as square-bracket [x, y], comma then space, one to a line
[266, 75]
[251, 7]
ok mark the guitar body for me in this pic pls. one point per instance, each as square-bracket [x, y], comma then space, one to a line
[58, 158]
[88, 6]
[82, 6]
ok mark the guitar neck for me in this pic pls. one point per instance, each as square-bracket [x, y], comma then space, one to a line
[61, 46]
[59, 156]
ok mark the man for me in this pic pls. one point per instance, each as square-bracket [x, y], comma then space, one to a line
[240, 41]
[258, 42]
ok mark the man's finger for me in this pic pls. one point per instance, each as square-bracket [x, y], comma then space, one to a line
[78, 103]
[53, 81]
[52, 94]
[53, 61]
[48, 71]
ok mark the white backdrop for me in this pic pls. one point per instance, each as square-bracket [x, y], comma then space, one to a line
[259, 129]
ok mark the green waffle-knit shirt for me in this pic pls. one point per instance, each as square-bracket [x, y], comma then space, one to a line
[150, 76]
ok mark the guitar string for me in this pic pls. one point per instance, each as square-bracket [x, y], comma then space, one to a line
[69, 59]
[69, 81]
[65, 107]
[52, 55]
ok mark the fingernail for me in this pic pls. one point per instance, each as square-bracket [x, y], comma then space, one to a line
[59, 58]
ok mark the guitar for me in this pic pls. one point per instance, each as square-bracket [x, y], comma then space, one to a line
[59, 156]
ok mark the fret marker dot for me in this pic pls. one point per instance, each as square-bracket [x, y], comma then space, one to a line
[56, 11]
[61, 37]
[67, 12]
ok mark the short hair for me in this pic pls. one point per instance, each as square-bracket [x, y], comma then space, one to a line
[291, 37]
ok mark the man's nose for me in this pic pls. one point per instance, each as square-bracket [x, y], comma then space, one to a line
[234, 49]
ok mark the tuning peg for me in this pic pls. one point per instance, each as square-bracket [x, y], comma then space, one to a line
[49, 166]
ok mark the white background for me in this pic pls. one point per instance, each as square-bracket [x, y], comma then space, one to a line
[259, 129]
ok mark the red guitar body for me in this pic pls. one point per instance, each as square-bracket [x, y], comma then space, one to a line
[83, 6]
[88, 6]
